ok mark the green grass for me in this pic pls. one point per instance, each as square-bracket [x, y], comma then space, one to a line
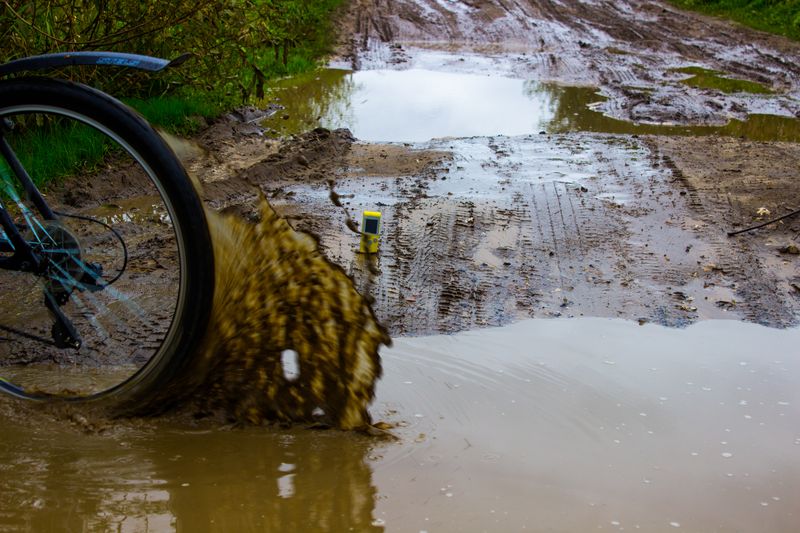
[712, 79]
[54, 149]
[178, 114]
[774, 16]
[57, 150]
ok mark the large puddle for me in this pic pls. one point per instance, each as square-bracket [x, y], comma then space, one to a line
[416, 105]
[546, 425]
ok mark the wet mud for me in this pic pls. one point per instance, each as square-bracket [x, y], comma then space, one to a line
[488, 230]
[622, 209]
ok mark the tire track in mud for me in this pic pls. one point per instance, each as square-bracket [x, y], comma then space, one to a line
[531, 280]
[544, 248]
[419, 246]
[534, 226]
[640, 202]
[425, 276]
[738, 263]
[615, 45]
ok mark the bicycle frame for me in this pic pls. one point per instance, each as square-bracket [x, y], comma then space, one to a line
[23, 258]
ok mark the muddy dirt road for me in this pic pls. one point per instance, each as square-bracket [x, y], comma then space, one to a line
[621, 214]
[612, 225]
[583, 218]
[535, 160]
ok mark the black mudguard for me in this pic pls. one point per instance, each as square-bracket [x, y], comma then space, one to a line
[106, 59]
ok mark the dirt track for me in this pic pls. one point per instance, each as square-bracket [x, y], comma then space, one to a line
[626, 48]
[483, 231]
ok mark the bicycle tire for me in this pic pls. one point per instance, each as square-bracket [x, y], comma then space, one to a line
[146, 388]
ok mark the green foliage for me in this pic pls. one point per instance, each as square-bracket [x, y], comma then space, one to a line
[238, 44]
[774, 16]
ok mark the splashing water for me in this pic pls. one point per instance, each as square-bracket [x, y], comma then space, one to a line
[275, 292]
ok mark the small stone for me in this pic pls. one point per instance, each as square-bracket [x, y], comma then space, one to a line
[790, 249]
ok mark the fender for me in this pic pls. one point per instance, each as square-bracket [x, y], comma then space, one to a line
[104, 59]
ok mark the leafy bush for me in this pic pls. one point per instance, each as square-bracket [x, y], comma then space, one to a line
[238, 44]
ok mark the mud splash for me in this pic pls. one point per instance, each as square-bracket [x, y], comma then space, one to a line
[278, 298]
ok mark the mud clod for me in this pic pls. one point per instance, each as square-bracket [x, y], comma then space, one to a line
[791, 249]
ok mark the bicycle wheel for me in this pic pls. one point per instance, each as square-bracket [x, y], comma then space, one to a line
[127, 260]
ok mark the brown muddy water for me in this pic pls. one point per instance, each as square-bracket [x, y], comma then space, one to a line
[544, 425]
[417, 104]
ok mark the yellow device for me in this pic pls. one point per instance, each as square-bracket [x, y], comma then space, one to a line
[370, 232]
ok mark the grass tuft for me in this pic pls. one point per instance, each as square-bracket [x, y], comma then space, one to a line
[712, 79]
[177, 114]
[774, 16]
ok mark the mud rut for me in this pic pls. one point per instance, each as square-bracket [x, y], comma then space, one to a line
[625, 239]
[636, 227]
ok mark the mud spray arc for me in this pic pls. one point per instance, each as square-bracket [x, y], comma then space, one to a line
[275, 292]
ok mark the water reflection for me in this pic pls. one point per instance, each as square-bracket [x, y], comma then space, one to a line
[544, 425]
[311, 100]
[410, 105]
[417, 105]
[572, 112]
[592, 424]
[157, 479]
